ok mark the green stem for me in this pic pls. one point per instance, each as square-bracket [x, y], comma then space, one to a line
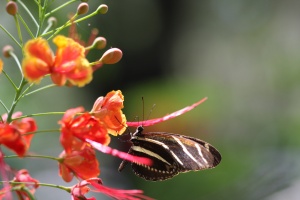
[50, 25]
[96, 63]
[68, 23]
[10, 35]
[16, 99]
[40, 89]
[24, 189]
[24, 92]
[28, 12]
[40, 114]
[35, 156]
[10, 80]
[43, 131]
[60, 7]
[6, 109]
[19, 30]
[42, 16]
[13, 55]
[67, 189]
[26, 26]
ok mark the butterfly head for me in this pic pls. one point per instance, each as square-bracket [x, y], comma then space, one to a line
[138, 131]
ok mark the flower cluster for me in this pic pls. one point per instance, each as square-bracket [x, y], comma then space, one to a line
[79, 155]
[82, 133]
[69, 64]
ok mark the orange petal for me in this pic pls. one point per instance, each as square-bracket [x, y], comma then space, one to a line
[83, 163]
[70, 63]
[113, 100]
[38, 59]
[74, 130]
[13, 135]
[65, 172]
[12, 139]
[108, 110]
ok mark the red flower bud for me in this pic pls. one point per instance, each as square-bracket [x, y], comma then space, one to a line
[6, 51]
[111, 56]
[82, 8]
[11, 8]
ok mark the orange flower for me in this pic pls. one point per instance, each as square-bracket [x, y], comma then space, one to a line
[68, 66]
[74, 130]
[108, 110]
[14, 136]
[82, 163]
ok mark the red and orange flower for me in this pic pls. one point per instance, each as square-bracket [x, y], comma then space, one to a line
[68, 66]
[108, 109]
[105, 117]
[75, 130]
[83, 163]
[14, 135]
[77, 127]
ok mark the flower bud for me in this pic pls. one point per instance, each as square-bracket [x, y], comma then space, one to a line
[99, 43]
[7, 50]
[102, 9]
[82, 8]
[12, 8]
[111, 56]
[52, 21]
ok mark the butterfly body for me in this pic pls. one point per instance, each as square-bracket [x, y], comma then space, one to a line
[171, 154]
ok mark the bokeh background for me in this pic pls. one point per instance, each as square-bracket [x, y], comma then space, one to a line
[243, 55]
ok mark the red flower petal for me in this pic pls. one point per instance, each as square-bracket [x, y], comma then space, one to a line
[38, 59]
[75, 129]
[70, 63]
[82, 163]
[120, 154]
[14, 135]
[108, 109]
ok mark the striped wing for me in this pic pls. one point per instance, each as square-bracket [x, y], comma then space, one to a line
[171, 154]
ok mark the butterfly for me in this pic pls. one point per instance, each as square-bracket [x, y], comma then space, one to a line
[170, 153]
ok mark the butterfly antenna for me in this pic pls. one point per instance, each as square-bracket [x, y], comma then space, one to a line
[153, 106]
[143, 102]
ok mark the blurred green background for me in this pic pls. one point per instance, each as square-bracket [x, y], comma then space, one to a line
[242, 55]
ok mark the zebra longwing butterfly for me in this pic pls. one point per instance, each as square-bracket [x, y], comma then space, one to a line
[171, 154]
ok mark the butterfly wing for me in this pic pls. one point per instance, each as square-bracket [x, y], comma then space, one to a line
[192, 153]
[171, 154]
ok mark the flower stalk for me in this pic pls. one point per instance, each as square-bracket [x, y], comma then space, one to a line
[81, 133]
